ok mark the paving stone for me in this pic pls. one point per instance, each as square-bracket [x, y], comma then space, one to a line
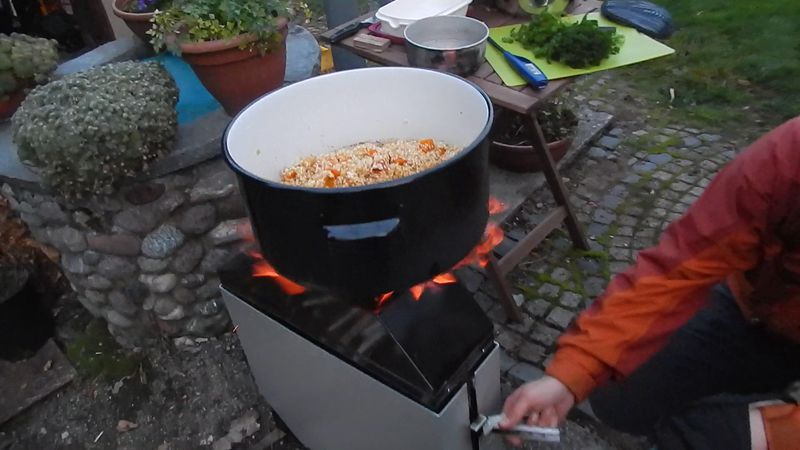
[652, 222]
[537, 308]
[698, 191]
[470, 278]
[611, 202]
[618, 267]
[711, 166]
[544, 334]
[506, 362]
[671, 217]
[661, 139]
[522, 327]
[508, 340]
[663, 176]
[680, 186]
[621, 241]
[560, 317]
[709, 137]
[640, 133]
[691, 142]
[570, 300]
[594, 286]
[524, 372]
[596, 229]
[628, 221]
[670, 195]
[609, 142]
[659, 212]
[588, 266]
[549, 290]
[644, 167]
[620, 254]
[561, 274]
[646, 233]
[631, 178]
[635, 211]
[660, 158]
[603, 216]
[672, 167]
[704, 182]
[531, 352]
[625, 231]
[597, 152]
[692, 130]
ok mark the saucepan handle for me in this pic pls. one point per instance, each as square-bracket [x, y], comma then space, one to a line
[362, 231]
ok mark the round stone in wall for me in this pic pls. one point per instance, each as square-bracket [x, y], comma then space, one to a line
[159, 284]
[152, 265]
[198, 219]
[115, 267]
[187, 257]
[121, 303]
[162, 242]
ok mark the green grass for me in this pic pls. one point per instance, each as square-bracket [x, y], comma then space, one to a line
[95, 353]
[735, 59]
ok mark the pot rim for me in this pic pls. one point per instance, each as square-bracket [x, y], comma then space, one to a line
[444, 49]
[218, 45]
[376, 186]
[133, 17]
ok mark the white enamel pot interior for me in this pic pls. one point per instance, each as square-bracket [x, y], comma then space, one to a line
[322, 114]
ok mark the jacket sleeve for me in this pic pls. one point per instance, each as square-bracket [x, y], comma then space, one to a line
[727, 230]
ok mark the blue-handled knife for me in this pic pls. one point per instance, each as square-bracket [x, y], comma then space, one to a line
[525, 67]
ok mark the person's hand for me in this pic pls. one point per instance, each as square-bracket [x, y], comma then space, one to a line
[545, 402]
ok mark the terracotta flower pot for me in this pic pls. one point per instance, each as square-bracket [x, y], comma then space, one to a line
[139, 23]
[9, 106]
[522, 158]
[236, 77]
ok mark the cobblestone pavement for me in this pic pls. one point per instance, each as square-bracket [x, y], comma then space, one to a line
[628, 186]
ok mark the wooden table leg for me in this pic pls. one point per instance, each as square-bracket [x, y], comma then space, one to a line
[503, 291]
[555, 183]
[498, 270]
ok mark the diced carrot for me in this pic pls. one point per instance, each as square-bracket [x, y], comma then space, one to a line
[291, 175]
[426, 145]
[372, 152]
[329, 182]
[401, 161]
[336, 173]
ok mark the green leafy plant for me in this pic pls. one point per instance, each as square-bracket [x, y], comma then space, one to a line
[207, 20]
[87, 131]
[25, 60]
[578, 44]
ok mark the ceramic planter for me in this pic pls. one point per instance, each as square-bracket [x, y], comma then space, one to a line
[236, 77]
[522, 158]
[139, 23]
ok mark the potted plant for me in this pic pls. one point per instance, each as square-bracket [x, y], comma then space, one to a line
[86, 132]
[511, 148]
[24, 62]
[138, 14]
[237, 48]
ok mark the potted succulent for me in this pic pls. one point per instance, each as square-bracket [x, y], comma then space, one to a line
[237, 48]
[511, 148]
[86, 132]
[138, 14]
[24, 62]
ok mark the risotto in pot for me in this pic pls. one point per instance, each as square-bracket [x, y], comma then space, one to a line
[368, 163]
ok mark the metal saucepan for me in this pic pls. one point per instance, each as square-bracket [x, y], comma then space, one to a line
[450, 43]
[368, 240]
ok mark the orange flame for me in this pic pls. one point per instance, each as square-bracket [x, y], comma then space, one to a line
[261, 268]
[479, 256]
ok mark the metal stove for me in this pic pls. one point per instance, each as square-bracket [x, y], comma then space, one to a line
[409, 375]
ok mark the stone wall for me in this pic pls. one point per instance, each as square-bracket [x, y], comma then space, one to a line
[145, 259]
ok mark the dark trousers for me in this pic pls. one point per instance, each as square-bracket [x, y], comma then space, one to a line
[695, 392]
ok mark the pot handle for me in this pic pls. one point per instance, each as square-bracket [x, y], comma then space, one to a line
[362, 231]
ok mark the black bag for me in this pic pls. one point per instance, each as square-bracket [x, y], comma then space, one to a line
[644, 16]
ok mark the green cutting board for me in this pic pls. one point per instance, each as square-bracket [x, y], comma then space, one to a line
[636, 48]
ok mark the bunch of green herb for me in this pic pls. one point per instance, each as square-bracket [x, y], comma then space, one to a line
[210, 20]
[578, 45]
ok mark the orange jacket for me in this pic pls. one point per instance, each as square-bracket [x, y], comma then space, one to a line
[745, 229]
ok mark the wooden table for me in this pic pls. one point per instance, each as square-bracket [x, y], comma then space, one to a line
[523, 100]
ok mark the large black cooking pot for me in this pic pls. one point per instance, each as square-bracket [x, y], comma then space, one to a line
[364, 241]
